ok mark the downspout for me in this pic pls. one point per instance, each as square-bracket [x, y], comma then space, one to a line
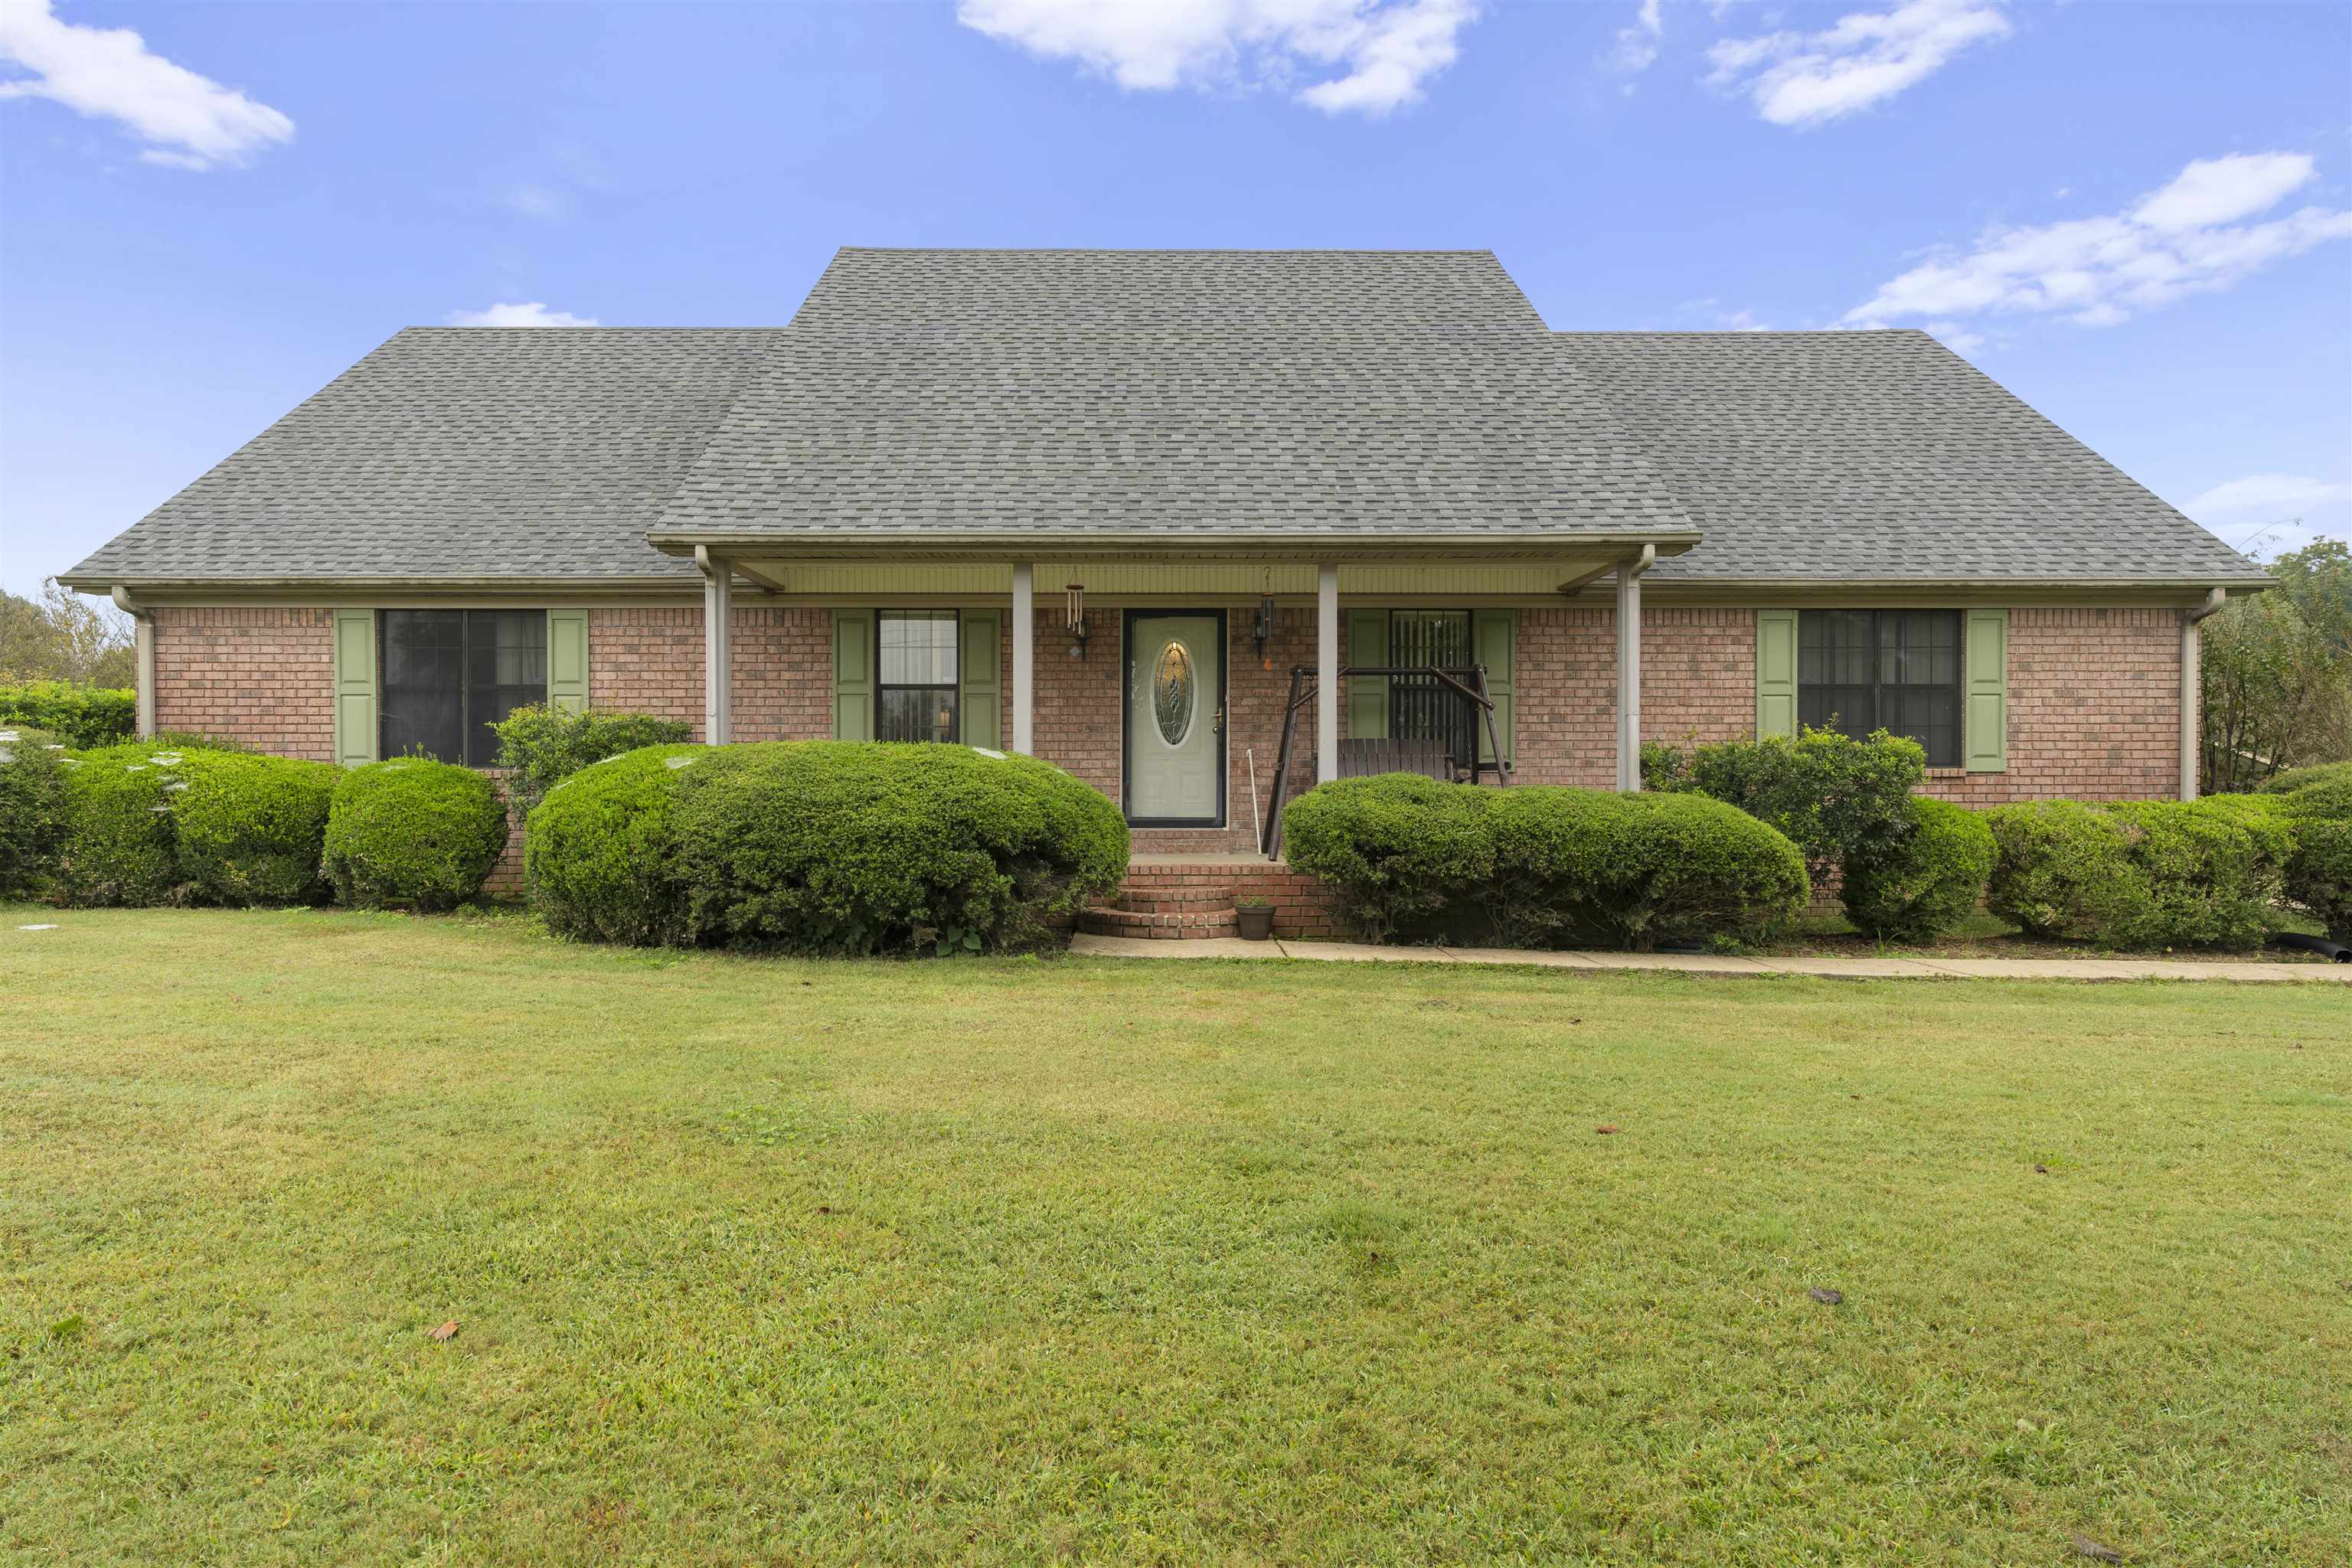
[142, 622]
[1629, 668]
[2191, 729]
[718, 648]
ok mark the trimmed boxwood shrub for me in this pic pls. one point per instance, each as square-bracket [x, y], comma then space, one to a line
[2294, 779]
[1404, 856]
[822, 846]
[1579, 867]
[1540, 866]
[1917, 885]
[2141, 874]
[78, 716]
[153, 825]
[32, 808]
[2319, 871]
[413, 832]
[540, 747]
[1834, 795]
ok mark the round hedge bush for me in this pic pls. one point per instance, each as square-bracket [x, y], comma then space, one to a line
[413, 832]
[2142, 873]
[152, 824]
[2319, 869]
[32, 808]
[822, 846]
[1921, 882]
[1539, 866]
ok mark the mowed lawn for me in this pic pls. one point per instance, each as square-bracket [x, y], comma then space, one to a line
[759, 1261]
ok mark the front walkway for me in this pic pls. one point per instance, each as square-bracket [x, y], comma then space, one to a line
[1708, 964]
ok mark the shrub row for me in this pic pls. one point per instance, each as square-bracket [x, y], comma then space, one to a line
[822, 846]
[1541, 866]
[74, 716]
[2316, 804]
[1835, 797]
[2143, 874]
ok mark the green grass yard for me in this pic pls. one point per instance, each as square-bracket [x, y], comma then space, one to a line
[1017, 1261]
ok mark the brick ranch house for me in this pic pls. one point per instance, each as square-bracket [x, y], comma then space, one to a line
[1099, 506]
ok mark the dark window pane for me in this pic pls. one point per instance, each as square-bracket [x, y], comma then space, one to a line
[915, 696]
[424, 655]
[1420, 708]
[506, 657]
[1860, 670]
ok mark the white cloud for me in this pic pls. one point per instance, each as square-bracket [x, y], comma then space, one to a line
[1957, 338]
[188, 121]
[2097, 271]
[1809, 78]
[1386, 49]
[2268, 492]
[532, 314]
[538, 201]
[1637, 45]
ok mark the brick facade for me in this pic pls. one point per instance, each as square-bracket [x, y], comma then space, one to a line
[2094, 693]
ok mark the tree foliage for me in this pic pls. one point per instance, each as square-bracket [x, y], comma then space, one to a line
[62, 636]
[2276, 672]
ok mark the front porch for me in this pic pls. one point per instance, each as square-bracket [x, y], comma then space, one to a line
[1168, 683]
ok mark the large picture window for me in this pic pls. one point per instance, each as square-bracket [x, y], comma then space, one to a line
[450, 675]
[1898, 670]
[1420, 708]
[915, 695]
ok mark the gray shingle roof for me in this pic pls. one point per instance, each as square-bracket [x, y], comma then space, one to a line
[1878, 455]
[1167, 394]
[1114, 395]
[460, 452]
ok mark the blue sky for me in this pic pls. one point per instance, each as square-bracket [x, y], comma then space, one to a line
[2136, 217]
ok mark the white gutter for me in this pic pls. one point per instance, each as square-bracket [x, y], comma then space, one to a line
[142, 622]
[2192, 670]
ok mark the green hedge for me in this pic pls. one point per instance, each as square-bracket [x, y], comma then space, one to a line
[822, 846]
[540, 747]
[2318, 812]
[1833, 795]
[2297, 779]
[414, 833]
[2142, 873]
[32, 808]
[78, 716]
[1540, 866]
[153, 825]
[1916, 885]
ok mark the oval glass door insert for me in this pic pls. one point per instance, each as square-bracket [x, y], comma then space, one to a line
[1174, 693]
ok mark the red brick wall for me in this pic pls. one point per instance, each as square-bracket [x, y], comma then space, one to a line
[2094, 709]
[262, 676]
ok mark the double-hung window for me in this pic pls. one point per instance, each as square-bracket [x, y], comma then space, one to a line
[1898, 670]
[915, 694]
[1422, 706]
[450, 675]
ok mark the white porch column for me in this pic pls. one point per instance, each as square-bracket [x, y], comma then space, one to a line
[1327, 675]
[1629, 668]
[2192, 737]
[718, 650]
[1024, 658]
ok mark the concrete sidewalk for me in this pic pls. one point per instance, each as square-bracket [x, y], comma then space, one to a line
[1707, 963]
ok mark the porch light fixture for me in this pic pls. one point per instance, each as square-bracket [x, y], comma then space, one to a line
[1074, 617]
[1265, 629]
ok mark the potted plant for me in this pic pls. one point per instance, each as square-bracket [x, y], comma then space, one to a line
[1256, 919]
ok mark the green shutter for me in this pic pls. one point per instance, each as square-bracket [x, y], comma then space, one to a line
[1492, 634]
[853, 675]
[1368, 695]
[567, 660]
[1775, 673]
[355, 735]
[1987, 745]
[979, 691]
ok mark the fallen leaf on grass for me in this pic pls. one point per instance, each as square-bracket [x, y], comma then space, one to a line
[1825, 1295]
[2041, 1169]
[2090, 1548]
[1606, 1128]
[447, 1330]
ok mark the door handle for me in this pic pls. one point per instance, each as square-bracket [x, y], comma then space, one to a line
[1217, 723]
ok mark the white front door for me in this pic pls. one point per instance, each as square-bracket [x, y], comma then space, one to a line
[1176, 718]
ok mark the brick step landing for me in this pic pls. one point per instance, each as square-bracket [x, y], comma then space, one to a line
[1169, 909]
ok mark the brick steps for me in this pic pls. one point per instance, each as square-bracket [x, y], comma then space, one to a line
[1171, 925]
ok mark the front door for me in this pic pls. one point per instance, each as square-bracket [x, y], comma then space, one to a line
[1176, 718]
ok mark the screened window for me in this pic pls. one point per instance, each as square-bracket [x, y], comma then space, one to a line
[1421, 708]
[1899, 670]
[450, 675]
[915, 691]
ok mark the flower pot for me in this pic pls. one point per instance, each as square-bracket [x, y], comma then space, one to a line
[1255, 925]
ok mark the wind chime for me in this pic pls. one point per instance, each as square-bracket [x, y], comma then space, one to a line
[1074, 617]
